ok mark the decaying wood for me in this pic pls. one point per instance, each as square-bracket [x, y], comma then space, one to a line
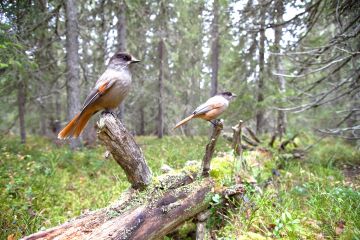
[150, 209]
[201, 231]
[210, 148]
[272, 140]
[148, 214]
[249, 141]
[237, 132]
[229, 137]
[286, 142]
[125, 151]
[253, 135]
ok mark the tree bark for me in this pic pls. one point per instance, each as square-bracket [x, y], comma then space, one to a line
[281, 117]
[21, 100]
[210, 148]
[260, 85]
[215, 46]
[125, 151]
[237, 136]
[121, 42]
[72, 64]
[169, 203]
[161, 54]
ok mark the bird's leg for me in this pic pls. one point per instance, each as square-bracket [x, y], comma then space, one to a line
[214, 123]
[108, 111]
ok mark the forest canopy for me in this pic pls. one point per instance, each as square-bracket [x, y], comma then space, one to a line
[291, 63]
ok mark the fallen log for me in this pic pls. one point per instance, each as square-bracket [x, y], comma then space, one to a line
[149, 214]
[152, 207]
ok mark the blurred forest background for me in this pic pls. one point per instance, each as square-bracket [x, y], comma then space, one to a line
[294, 65]
[299, 56]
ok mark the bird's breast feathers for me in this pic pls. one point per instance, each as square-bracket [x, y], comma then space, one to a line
[121, 77]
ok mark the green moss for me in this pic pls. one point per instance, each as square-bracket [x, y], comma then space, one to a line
[222, 170]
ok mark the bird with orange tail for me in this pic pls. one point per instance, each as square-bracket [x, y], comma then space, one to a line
[211, 109]
[109, 91]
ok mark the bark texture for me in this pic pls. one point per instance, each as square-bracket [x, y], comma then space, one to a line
[161, 54]
[260, 85]
[210, 148]
[281, 118]
[215, 48]
[125, 151]
[72, 63]
[121, 39]
[237, 132]
[21, 100]
[140, 215]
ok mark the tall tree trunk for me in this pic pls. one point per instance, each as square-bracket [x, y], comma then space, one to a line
[160, 123]
[215, 46]
[72, 64]
[260, 86]
[161, 54]
[281, 118]
[21, 100]
[121, 41]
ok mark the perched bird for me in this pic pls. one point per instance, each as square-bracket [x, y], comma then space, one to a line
[211, 109]
[109, 91]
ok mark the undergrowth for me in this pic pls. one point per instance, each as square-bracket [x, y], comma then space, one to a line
[43, 185]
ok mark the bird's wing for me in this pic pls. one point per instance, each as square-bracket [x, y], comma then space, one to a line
[96, 92]
[209, 105]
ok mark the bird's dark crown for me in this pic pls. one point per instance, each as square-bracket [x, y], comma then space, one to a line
[123, 56]
[229, 94]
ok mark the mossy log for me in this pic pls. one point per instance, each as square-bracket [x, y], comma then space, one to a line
[153, 207]
[151, 214]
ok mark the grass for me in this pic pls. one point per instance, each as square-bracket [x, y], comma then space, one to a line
[43, 185]
[309, 200]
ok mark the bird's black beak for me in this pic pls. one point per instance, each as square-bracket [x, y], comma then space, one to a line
[134, 60]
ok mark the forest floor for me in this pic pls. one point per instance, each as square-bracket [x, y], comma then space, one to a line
[315, 197]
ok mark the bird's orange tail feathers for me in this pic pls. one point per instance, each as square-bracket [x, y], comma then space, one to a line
[75, 126]
[182, 122]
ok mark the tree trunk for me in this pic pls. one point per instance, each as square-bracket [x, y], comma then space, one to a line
[121, 42]
[160, 118]
[260, 86]
[215, 46]
[21, 99]
[161, 54]
[281, 118]
[72, 64]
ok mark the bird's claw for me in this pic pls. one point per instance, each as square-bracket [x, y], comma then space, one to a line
[106, 111]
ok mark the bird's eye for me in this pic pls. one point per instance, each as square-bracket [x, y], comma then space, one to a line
[123, 57]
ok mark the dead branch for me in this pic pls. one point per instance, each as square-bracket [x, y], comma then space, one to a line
[210, 148]
[286, 142]
[253, 135]
[237, 132]
[249, 141]
[125, 151]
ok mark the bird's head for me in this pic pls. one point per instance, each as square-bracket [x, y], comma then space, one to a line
[227, 95]
[123, 58]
